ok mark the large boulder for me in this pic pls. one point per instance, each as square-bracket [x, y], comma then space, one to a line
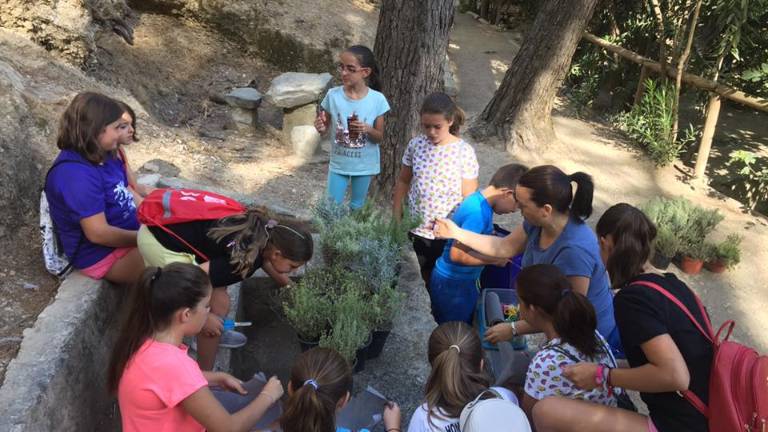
[293, 89]
[244, 97]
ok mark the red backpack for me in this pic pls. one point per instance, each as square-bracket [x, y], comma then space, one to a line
[738, 382]
[171, 206]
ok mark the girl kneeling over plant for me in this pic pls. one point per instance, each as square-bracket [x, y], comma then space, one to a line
[666, 352]
[159, 387]
[319, 387]
[236, 246]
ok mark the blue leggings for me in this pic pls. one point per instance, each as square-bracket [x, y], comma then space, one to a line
[337, 188]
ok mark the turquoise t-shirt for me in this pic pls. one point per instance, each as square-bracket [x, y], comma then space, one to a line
[474, 214]
[576, 253]
[358, 156]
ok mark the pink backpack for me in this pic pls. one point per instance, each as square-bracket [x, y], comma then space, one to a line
[738, 382]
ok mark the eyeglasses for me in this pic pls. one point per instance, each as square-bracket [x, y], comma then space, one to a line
[349, 68]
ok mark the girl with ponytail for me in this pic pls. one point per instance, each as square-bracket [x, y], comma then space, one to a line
[234, 247]
[457, 378]
[354, 114]
[321, 385]
[553, 232]
[158, 386]
[567, 319]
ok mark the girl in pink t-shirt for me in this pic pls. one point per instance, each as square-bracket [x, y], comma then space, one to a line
[439, 170]
[159, 387]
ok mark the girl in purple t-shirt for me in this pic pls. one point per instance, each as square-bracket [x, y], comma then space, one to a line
[91, 206]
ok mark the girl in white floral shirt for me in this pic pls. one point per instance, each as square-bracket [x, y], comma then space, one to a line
[439, 170]
[569, 323]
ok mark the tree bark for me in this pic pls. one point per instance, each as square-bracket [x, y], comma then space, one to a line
[520, 110]
[682, 64]
[411, 44]
[661, 28]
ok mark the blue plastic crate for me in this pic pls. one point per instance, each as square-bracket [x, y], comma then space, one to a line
[501, 277]
[506, 296]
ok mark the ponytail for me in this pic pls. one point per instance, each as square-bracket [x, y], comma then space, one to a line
[249, 233]
[550, 185]
[441, 103]
[152, 303]
[320, 379]
[581, 207]
[633, 235]
[572, 315]
[456, 378]
[365, 56]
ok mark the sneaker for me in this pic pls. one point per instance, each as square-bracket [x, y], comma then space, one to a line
[232, 339]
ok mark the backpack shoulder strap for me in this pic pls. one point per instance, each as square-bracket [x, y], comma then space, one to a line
[687, 394]
[186, 243]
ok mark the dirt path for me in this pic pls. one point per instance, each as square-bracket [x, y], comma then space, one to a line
[621, 174]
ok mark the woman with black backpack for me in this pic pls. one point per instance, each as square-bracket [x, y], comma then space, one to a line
[666, 352]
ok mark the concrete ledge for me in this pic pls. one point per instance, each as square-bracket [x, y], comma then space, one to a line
[58, 379]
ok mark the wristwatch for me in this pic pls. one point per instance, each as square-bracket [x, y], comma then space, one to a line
[514, 328]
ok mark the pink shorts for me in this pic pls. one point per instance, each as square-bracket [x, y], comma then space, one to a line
[101, 268]
[651, 426]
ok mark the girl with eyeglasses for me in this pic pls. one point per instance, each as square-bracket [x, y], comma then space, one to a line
[353, 113]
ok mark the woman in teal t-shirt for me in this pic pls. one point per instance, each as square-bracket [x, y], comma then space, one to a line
[354, 115]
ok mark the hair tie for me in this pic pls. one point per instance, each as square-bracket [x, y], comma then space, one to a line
[311, 382]
[565, 292]
[457, 348]
[271, 223]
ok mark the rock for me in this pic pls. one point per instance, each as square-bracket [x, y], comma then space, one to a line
[450, 83]
[305, 141]
[148, 179]
[165, 169]
[244, 97]
[244, 118]
[299, 116]
[293, 89]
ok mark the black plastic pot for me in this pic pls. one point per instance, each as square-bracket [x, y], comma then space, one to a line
[660, 261]
[307, 345]
[362, 354]
[378, 340]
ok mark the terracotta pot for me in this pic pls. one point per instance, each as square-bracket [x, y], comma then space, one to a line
[717, 266]
[690, 265]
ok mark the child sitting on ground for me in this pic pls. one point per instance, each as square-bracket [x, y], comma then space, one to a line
[550, 305]
[319, 387]
[159, 387]
[234, 247]
[457, 378]
[454, 283]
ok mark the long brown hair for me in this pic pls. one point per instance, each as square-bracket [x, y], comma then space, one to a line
[550, 185]
[441, 103]
[153, 301]
[633, 234]
[82, 123]
[456, 378]
[573, 316]
[253, 230]
[320, 378]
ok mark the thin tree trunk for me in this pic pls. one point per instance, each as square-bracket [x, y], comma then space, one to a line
[710, 122]
[682, 64]
[656, 8]
[411, 44]
[520, 110]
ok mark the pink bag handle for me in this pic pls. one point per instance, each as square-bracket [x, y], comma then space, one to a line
[709, 335]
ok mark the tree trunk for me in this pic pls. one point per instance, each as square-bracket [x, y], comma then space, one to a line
[519, 112]
[682, 64]
[411, 44]
[661, 28]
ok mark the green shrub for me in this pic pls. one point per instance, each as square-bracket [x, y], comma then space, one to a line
[666, 243]
[385, 304]
[698, 251]
[308, 307]
[351, 328]
[729, 250]
[650, 123]
[751, 183]
[688, 222]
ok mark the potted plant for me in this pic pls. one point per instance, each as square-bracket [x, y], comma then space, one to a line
[350, 331]
[384, 306]
[665, 247]
[693, 256]
[308, 307]
[725, 255]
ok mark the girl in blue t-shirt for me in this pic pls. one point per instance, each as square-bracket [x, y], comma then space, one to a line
[554, 233]
[353, 113]
[91, 205]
